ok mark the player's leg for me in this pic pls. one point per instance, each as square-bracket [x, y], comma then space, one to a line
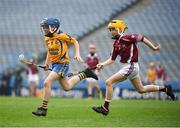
[91, 84]
[36, 82]
[31, 84]
[41, 111]
[47, 85]
[104, 109]
[137, 83]
[151, 88]
[31, 89]
[90, 88]
[96, 85]
[67, 84]
[109, 85]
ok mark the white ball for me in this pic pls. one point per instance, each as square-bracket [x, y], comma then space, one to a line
[21, 57]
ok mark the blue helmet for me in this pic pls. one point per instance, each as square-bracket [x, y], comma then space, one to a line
[52, 24]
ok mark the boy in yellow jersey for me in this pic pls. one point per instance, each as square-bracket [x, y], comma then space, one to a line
[57, 56]
[151, 74]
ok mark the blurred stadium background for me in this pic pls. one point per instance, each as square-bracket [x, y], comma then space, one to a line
[87, 21]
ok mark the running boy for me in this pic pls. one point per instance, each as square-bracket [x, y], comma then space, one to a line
[57, 55]
[126, 47]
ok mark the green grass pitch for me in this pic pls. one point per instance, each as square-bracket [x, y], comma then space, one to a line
[16, 112]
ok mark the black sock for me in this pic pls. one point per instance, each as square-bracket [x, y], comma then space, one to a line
[82, 75]
[44, 104]
[90, 95]
[106, 104]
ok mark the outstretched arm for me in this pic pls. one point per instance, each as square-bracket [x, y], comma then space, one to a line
[151, 45]
[105, 63]
[108, 61]
[77, 53]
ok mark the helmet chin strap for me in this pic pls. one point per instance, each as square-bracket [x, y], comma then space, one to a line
[120, 34]
[58, 29]
[51, 30]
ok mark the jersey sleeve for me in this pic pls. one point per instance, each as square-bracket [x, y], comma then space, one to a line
[137, 37]
[133, 37]
[66, 37]
[114, 54]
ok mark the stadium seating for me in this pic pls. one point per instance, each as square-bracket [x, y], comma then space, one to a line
[20, 31]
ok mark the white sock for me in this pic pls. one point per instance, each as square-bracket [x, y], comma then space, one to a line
[107, 100]
[158, 88]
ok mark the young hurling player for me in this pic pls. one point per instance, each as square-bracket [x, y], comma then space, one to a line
[92, 59]
[57, 55]
[126, 47]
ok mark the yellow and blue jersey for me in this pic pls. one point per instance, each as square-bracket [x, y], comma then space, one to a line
[57, 47]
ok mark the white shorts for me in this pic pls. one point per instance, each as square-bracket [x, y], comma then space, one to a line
[33, 78]
[130, 70]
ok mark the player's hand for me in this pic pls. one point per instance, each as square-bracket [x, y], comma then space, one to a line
[46, 67]
[99, 66]
[78, 58]
[157, 48]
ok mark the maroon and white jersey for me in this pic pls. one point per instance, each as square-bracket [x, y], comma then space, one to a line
[161, 73]
[92, 61]
[127, 48]
[32, 69]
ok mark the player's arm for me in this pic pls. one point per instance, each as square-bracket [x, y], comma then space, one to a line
[77, 53]
[150, 44]
[108, 61]
[73, 41]
[105, 63]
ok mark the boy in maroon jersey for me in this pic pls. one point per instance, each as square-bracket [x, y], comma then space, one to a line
[126, 47]
[33, 77]
[91, 61]
[161, 76]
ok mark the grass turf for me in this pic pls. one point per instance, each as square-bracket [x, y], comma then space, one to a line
[16, 112]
